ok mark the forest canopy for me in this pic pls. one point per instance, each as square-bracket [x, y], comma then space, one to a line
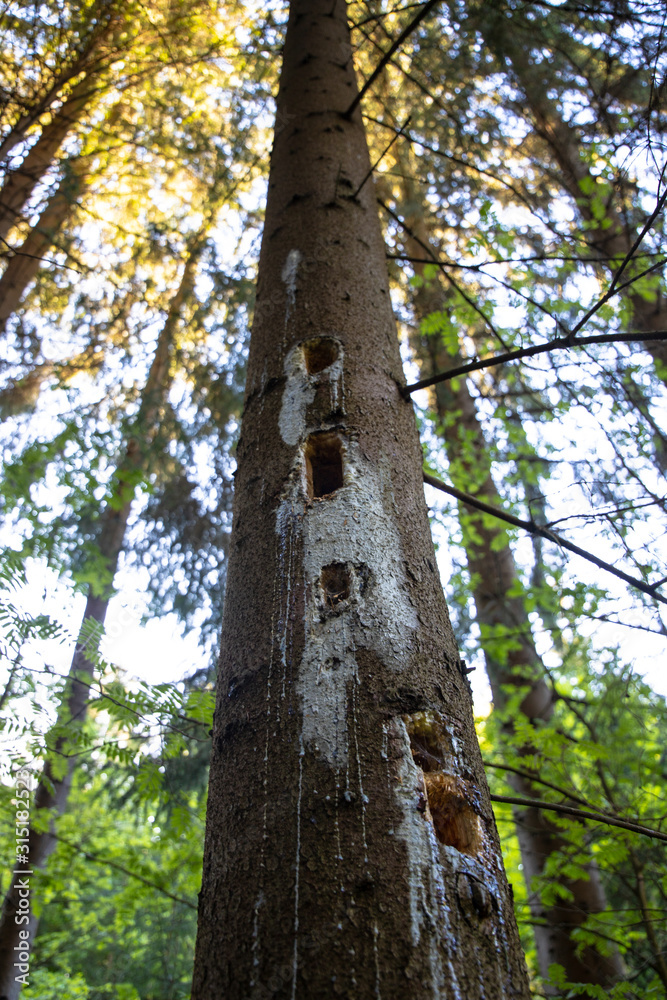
[519, 163]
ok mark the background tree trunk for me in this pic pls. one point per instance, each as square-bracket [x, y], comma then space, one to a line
[351, 849]
[54, 784]
[501, 616]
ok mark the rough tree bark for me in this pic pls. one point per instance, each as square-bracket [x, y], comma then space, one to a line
[54, 785]
[351, 848]
[500, 612]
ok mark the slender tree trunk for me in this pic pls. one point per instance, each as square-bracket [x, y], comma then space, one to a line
[502, 618]
[55, 783]
[659, 962]
[351, 849]
[23, 265]
[20, 183]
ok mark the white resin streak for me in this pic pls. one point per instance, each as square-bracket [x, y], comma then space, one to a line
[295, 954]
[429, 909]
[288, 274]
[355, 526]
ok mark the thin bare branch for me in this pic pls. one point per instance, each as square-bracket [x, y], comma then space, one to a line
[374, 18]
[382, 156]
[557, 344]
[537, 529]
[560, 807]
[90, 856]
[536, 780]
[464, 295]
[613, 290]
[407, 31]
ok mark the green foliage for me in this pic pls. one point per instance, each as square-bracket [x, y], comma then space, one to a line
[47, 985]
[602, 751]
[119, 898]
[442, 324]
[521, 121]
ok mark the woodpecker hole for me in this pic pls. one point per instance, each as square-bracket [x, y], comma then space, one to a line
[319, 354]
[429, 741]
[335, 584]
[450, 799]
[324, 465]
[455, 822]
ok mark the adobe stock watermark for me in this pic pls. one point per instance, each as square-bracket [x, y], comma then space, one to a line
[21, 875]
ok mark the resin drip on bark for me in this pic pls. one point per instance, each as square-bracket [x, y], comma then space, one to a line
[326, 873]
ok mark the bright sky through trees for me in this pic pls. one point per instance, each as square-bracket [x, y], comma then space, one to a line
[519, 154]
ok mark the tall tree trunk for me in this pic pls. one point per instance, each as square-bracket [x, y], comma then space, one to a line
[23, 265]
[20, 183]
[351, 848]
[502, 617]
[54, 785]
